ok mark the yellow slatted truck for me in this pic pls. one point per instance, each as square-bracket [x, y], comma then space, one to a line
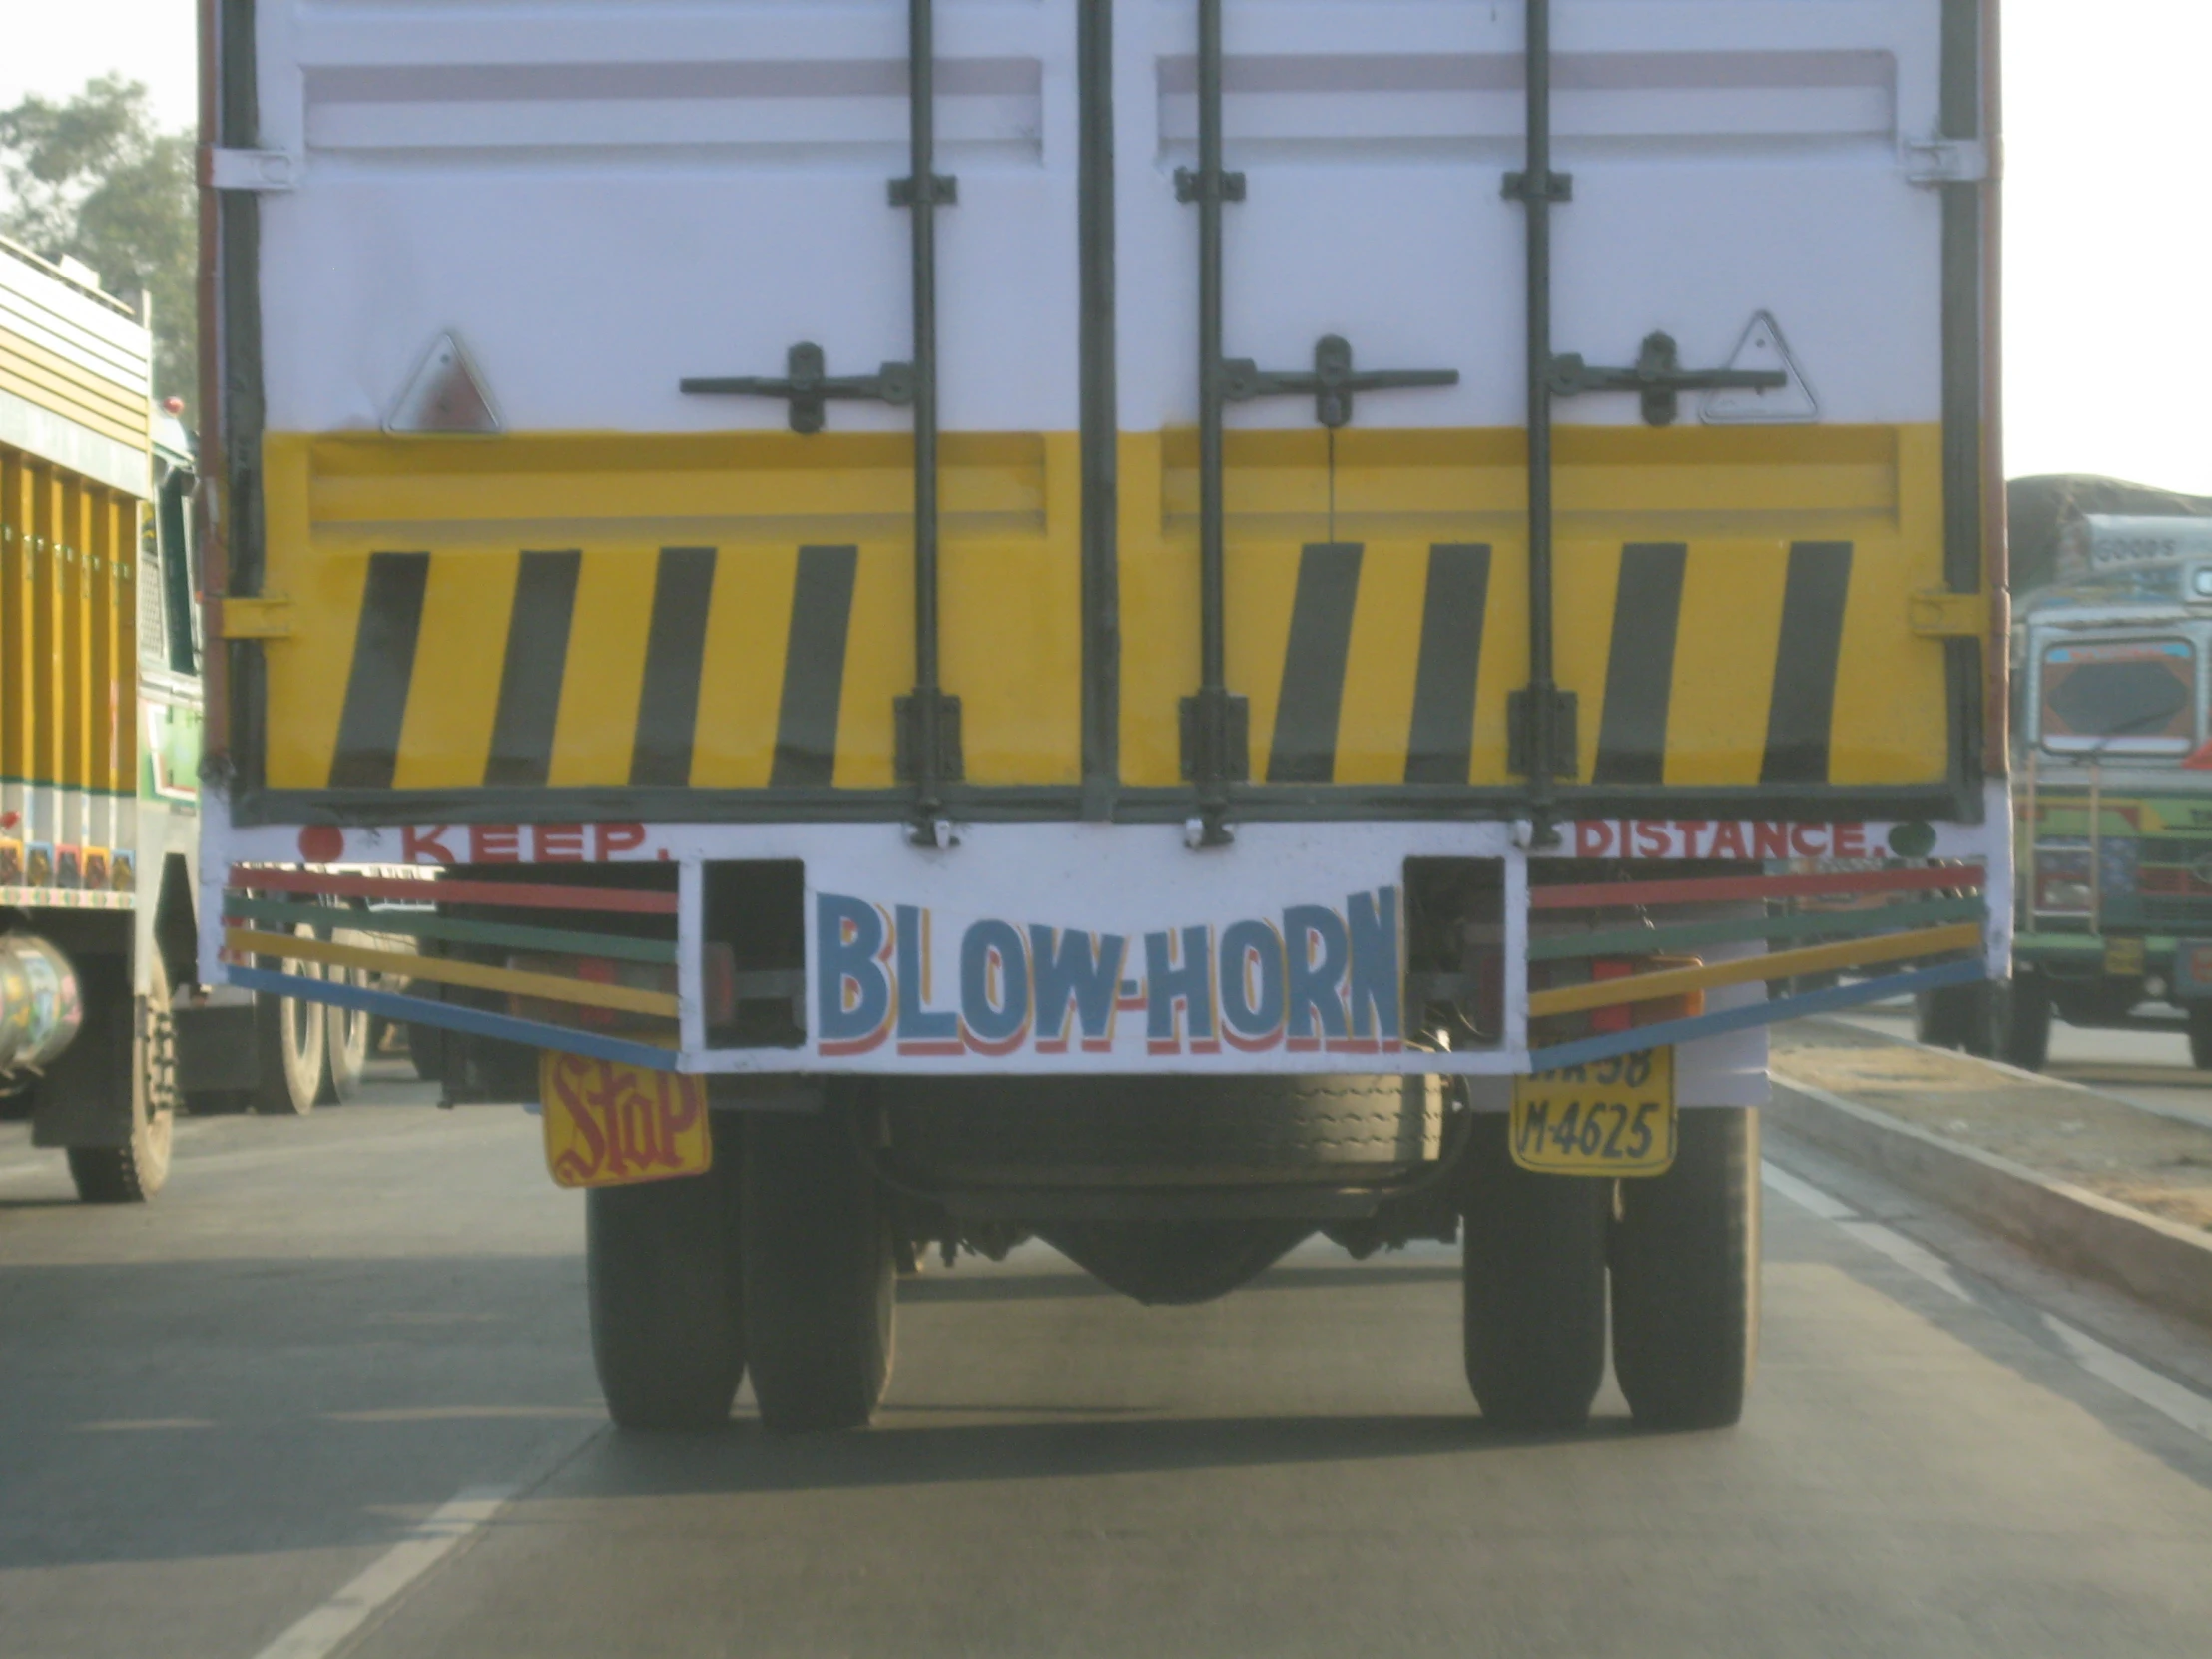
[103, 1032]
[1164, 628]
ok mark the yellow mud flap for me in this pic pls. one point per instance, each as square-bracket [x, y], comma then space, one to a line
[1611, 1117]
[608, 1124]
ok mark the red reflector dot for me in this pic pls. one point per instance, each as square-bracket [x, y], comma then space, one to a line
[322, 844]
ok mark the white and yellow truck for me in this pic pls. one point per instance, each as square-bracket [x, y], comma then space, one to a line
[1165, 626]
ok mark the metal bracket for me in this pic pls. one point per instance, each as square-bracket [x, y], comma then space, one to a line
[1332, 382]
[253, 170]
[260, 617]
[944, 191]
[909, 741]
[1658, 375]
[1523, 741]
[810, 389]
[1932, 162]
[1227, 187]
[1937, 613]
[1558, 187]
[1216, 744]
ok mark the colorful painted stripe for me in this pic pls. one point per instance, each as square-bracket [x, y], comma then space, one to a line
[1597, 895]
[1810, 924]
[452, 1016]
[1585, 1049]
[427, 925]
[623, 900]
[1819, 958]
[445, 970]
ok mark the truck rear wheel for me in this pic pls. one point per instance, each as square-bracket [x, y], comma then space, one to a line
[2023, 1016]
[1685, 1256]
[667, 1308]
[291, 1036]
[820, 1273]
[1534, 1280]
[2200, 1035]
[131, 1031]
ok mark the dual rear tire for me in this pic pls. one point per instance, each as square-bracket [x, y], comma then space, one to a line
[779, 1258]
[1681, 1253]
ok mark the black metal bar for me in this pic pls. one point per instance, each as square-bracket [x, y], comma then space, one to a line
[1539, 702]
[928, 691]
[1959, 115]
[1216, 726]
[239, 236]
[1100, 411]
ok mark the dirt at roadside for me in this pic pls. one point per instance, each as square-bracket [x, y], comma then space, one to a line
[2069, 1134]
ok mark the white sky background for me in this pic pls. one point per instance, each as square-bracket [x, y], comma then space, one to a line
[2104, 209]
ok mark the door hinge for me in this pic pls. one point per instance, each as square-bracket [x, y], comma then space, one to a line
[1937, 613]
[1658, 377]
[261, 617]
[1331, 384]
[1522, 741]
[253, 170]
[808, 386]
[1930, 162]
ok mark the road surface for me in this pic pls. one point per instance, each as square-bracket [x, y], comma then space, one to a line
[330, 1394]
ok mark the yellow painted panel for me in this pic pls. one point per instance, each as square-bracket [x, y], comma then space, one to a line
[878, 666]
[1891, 720]
[740, 681]
[1380, 670]
[1723, 662]
[55, 383]
[307, 669]
[17, 683]
[1504, 668]
[1159, 616]
[460, 652]
[1260, 579]
[1585, 578]
[598, 724]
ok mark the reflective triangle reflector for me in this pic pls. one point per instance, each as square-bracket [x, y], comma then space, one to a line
[1762, 347]
[446, 394]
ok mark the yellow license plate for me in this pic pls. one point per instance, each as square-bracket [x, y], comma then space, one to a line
[607, 1123]
[1611, 1117]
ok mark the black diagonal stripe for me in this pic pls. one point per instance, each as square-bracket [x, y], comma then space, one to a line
[813, 667]
[383, 664]
[530, 680]
[1639, 671]
[675, 651]
[1805, 662]
[1441, 746]
[1305, 746]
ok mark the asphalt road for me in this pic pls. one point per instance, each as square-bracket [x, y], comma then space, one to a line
[330, 1394]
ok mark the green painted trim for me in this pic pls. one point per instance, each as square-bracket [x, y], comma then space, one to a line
[427, 924]
[1643, 941]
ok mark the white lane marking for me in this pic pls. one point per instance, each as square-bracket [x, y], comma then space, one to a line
[2170, 1400]
[428, 1543]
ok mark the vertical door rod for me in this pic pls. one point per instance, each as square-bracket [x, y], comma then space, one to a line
[1215, 723]
[928, 721]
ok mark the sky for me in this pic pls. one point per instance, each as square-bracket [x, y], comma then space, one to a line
[2104, 213]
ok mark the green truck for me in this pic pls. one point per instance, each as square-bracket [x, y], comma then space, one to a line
[2112, 801]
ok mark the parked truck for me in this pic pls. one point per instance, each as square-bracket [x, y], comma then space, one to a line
[2113, 757]
[1162, 627]
[105, 1032]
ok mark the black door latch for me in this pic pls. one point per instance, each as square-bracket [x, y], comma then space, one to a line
[1332, 382]
[810, 389]
[1659, 376]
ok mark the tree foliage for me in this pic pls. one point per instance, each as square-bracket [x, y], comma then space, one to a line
[95, 179]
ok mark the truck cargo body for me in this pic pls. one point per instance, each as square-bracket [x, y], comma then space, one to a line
[870, 548]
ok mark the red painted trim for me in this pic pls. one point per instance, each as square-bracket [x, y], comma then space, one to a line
[1605, 895]
[626, 900]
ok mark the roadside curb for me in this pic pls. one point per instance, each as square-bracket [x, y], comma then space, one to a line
[2162, 1262]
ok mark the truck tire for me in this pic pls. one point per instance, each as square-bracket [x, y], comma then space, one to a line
[1534, 1283]
[291, 1038]
[667, 1307]
[345, 1054]
[1942, 1018]
[134, 1032]
[1685, 1261]
[2023, 1013]
[820, 1272]
[2200, 1035]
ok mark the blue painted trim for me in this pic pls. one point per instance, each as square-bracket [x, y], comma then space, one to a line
[529, 1032]
[1758, 1013]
